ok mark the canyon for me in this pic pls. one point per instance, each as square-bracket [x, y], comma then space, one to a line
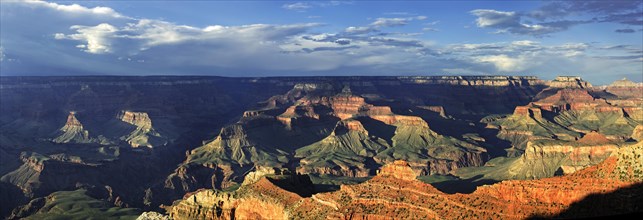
[429, 147]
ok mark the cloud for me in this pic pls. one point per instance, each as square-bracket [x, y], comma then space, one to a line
[511, 22]
[75, 8]
[360, 30]
[631, 18]
[504, 63]
[557, 16]
[97, 39]
[304, 6]
[46, 39]
[493, 18]
[392, 22]
[562, 9]
[626, 30]
[298, 6]
[380, 23]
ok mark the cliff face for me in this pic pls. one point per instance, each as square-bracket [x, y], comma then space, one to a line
[625, 88]
[138, 119]
[569, 82]
[546, 159]
[135, 128]
[476, 80]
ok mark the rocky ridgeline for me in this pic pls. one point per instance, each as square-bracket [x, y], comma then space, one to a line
[474, 80]
[625, 88]
[311, 82]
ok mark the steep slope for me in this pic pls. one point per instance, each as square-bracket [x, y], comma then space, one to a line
[428, 152]
[345, 152]
[72, 132]
[525, 124]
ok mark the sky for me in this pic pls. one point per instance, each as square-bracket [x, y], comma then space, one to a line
[601, 41]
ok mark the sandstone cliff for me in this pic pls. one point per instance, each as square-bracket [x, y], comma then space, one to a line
[569, 82]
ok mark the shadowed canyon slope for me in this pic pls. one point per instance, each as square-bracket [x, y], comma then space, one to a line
[316, 147]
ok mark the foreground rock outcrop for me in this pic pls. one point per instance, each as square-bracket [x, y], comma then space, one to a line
[397, 196]
[267, 198]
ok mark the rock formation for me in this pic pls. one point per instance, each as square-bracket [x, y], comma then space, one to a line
[399, 169]
[594, 138]
[569, 82]
[263, 199]
[136, 129]
[72, 132]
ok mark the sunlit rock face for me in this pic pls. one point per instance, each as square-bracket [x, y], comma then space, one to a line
[569, 82]
[391, 195]
[399, 169]
[138, 119]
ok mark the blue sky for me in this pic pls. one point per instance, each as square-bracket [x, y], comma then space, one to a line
[598, 40]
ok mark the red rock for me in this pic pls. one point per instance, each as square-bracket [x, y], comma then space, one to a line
[594, 138]
[72, 121]
[399, 169]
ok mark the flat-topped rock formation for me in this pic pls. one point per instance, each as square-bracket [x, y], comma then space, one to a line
[569, 82]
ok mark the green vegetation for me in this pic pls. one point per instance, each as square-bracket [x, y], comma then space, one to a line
[78, 205]
[608, 123]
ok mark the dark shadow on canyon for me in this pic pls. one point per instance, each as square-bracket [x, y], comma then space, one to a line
[623, 203]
